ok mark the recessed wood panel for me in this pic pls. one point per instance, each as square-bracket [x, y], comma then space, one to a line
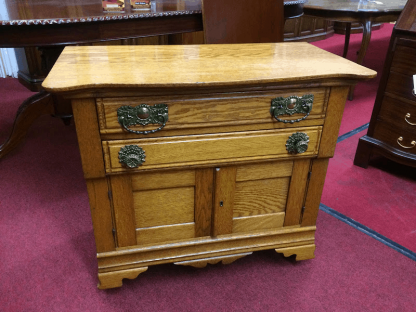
[163, 207]
[211, 149]
[260, 222]
[264, 171]
[260, 197]
[149, 181]
[203, 111]
[166, 233]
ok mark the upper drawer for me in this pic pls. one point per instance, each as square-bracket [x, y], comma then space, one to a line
[401, 85]
[399, 112]
[171, 152]
[208, 113]
[404, 60]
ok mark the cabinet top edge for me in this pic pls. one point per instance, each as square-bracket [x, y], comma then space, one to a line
[89, 67]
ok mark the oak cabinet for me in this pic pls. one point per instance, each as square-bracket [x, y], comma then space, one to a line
[195, 155]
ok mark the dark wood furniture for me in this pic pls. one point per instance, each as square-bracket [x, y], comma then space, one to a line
[234, 159]
[308, 29]
[350, 11]
[243, 21]
[52, 25]
[392, 130]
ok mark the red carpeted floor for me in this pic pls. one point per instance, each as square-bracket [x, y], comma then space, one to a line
[47, 257]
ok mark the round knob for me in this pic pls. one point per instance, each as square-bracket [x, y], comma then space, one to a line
[297, 143]
[143, 112]
[131, 156]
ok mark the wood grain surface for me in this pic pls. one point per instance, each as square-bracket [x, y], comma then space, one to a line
[85, 67]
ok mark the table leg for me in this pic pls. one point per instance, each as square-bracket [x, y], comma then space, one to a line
[363, 50]
[30, 110]
[347, 39]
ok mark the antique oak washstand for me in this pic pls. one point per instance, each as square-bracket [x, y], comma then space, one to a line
[201, 154]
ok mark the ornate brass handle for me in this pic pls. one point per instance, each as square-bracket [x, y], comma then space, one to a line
[408, 116]
[291, 105]
[400, 139]
[131, 156]
[143, 114]
[297, 143]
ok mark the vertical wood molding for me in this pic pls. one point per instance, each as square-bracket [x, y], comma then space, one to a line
[314, 192]
[204, 181]
[124, 215]
[101, 214]
[225, 179]
[335, 108]
[297, 191]
[89, 140]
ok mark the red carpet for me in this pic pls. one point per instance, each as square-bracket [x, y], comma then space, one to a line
[381, 197]
[47, 258]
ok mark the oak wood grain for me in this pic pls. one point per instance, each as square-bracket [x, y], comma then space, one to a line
[210, 149]
[89, 141]
[223, 200]
[152, 181]
[204, 187]
[202, 263]
[115, 279]
[297, 191]
[164, 206]
[206, 110]
[262, 171]
[165, 233]
[332, 123]
[314, 192]
[260, 197]
[101, 214]
[122, 196]
[84, 67]
[258, 222]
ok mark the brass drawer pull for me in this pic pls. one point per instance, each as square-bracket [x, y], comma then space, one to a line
[400, 139]
[291, 105]
[142, 114]
[408, 116]
[297, 143]
[131, 156]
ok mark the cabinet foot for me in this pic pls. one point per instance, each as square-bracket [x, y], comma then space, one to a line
[301, 252]
[202, 263]
[363, 153]
[115, 279]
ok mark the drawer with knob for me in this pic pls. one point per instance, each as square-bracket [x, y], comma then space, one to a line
[135, 117]
[200, 150]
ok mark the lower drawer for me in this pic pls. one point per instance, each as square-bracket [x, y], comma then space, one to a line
[208, 149]
[396, 137]
[399, 112]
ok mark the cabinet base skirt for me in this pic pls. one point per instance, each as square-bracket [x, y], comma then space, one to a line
[130, 262]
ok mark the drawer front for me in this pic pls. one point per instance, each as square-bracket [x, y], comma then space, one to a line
[396, 137]
[211, 149]
[404, 61]
[401, 85]
[194, 113]
[399, 113]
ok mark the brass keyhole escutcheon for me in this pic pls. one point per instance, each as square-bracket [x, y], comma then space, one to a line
[143, 112]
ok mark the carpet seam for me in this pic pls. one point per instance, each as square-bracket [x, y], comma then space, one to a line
[352, 132]
[366, 230]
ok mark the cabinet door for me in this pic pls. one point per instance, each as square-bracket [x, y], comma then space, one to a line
[159, 207]
[259, 196]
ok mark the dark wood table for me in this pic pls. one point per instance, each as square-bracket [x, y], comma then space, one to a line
[50, 25]
[356, 11]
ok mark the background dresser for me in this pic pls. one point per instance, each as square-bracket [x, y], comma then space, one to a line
[201, 154]
[392, 130]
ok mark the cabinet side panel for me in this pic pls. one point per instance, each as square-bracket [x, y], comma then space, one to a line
[123, 210]
[204, 180]
[315, 187]
[336, 104]
[101, 214]
[297, 190]
[224, 200]
[89, 140]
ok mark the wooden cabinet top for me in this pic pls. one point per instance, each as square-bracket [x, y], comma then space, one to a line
[83, 67]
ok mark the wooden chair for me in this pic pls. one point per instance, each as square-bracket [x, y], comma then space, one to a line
[243, 21]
